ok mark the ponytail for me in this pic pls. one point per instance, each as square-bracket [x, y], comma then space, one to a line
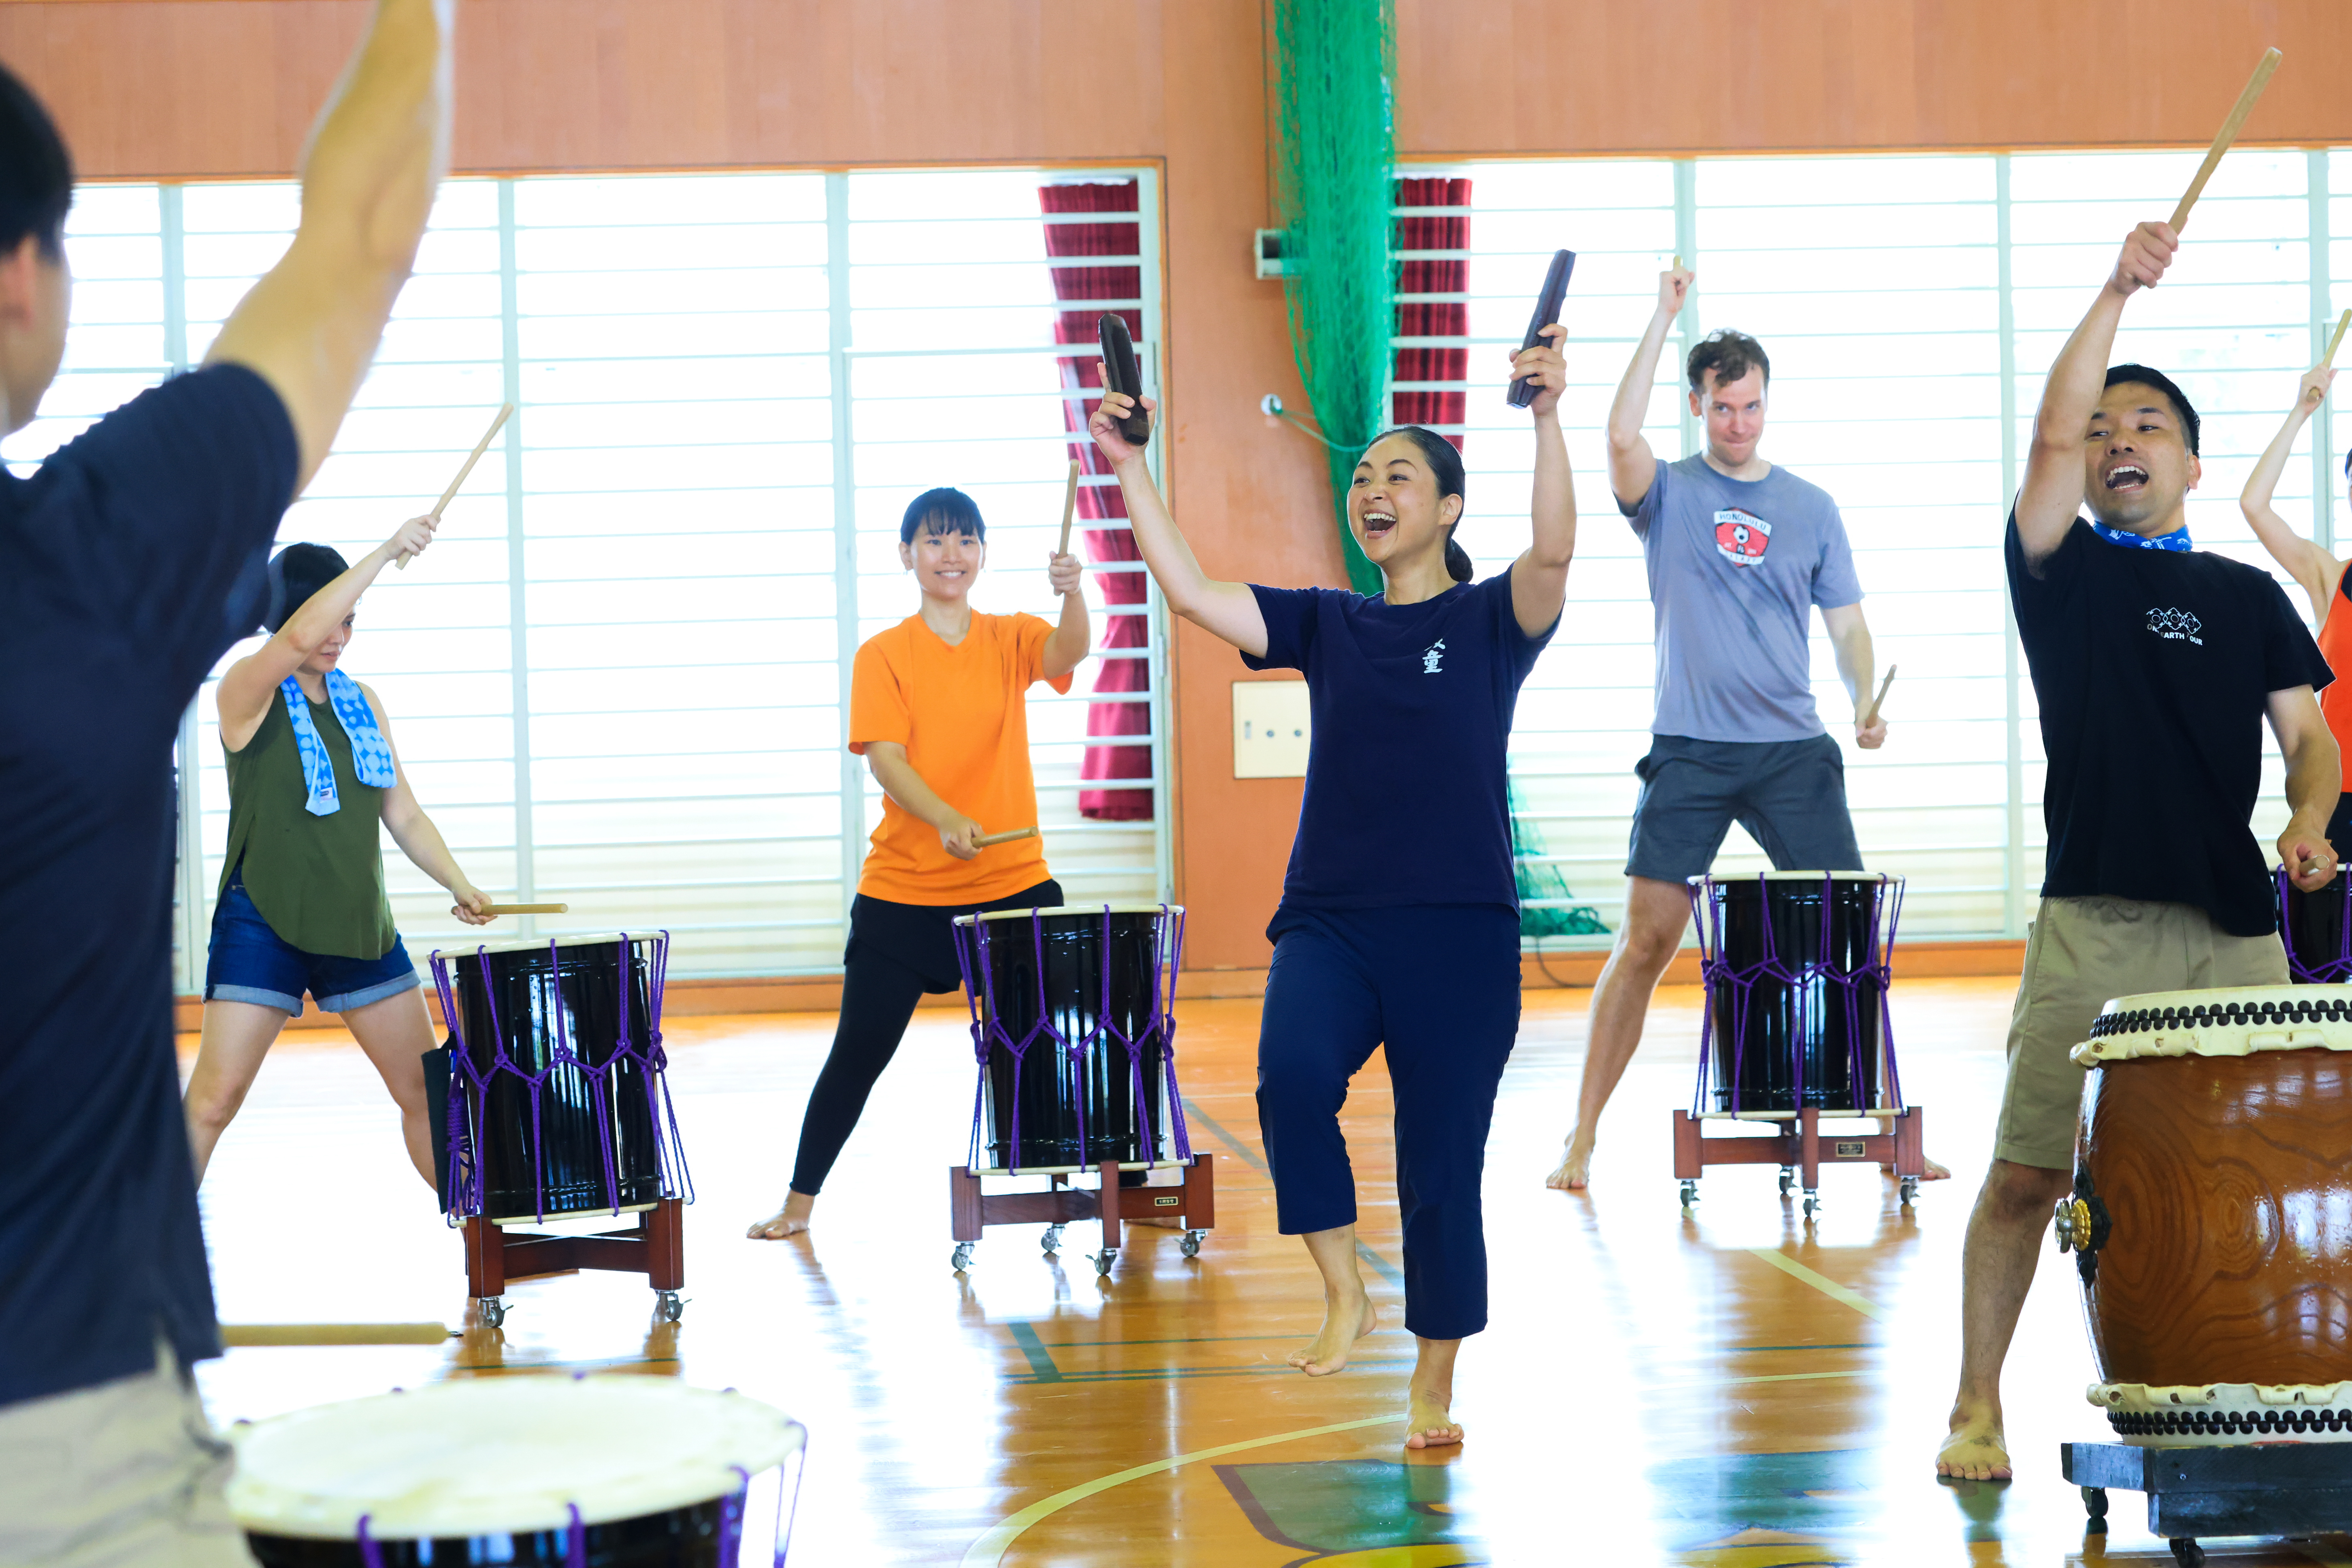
[1445, 460]
[1457, 560]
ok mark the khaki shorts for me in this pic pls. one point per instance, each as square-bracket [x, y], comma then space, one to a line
[2079, 954]
[124, 1475]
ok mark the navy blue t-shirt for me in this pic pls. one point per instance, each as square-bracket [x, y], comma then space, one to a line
[128, 566]
[1408, 794]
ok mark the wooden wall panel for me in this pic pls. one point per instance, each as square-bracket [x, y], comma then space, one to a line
[1693, 76]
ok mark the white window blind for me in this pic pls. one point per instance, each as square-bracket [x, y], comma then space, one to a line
[619, 678]
[1894, 295]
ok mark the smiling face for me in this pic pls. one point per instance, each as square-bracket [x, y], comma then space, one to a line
[1393, 506]
[1734, 412]
[943, 559]
[2136, 465]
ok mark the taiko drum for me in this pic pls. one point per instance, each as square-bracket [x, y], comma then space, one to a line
[2211, 1219]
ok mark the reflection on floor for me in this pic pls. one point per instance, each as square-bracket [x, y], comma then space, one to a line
[1651, 1390]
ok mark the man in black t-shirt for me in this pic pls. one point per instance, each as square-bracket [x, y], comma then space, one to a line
[2156, 667]
[128, 564]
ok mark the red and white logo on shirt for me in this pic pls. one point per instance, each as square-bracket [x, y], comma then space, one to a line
[1742, 537]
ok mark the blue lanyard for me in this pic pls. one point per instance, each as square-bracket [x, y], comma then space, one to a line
[2176, 540]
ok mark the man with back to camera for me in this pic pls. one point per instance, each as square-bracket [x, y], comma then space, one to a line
[1739, 552]
[2154, 666]
[128, 564]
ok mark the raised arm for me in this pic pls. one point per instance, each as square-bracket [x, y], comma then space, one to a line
[247, 687]
[415, 833]
[1539, 576]
[2304, 559]
[1068, 645]
[2051, 495]
[2314, 779]
[311, 324]
[1633, 467]
[1226, 610]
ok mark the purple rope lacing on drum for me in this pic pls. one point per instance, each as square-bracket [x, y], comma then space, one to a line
[731, 1519]
[1714, 970]
[669, 1150]
[370, 1554]
[972, 942]
[2327, 972]
[575, 1541]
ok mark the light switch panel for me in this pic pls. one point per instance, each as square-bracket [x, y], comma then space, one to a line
[1270, 729]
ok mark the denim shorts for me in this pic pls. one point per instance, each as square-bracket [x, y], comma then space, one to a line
[251, 962]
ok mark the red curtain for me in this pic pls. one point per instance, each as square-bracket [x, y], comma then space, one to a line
[1074, 322]
[1416, 319]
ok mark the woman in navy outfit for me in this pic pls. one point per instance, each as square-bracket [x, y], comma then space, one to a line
[1399, 922]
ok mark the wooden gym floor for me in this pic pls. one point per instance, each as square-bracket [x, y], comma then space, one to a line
[1724, 1389]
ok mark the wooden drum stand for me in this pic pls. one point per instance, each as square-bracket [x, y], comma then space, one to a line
[1800, 1149]
[970, 1211]
[655, 1246]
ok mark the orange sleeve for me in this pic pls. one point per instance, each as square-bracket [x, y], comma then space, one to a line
[1030, 636]
[878, 699]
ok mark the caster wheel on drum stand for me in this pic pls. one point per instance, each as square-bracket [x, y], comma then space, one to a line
[963, 1257]
[1910, 1191]
[1812, 1204]
[2094, 1503]
[1052, 1240]
[1191, 1245]
[2188, 1553]
[1104, 1260]
[668, 1306]
[490, 1310]
[1787, 1179]
[1690, 1194]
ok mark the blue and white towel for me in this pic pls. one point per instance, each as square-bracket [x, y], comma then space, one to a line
[2176, 540]
[369, 756]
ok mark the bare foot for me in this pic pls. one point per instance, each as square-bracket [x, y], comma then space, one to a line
[1344, 1322]
[789, 1220]
[1975, 1451]
[1575, 1167]
[1430, 1425]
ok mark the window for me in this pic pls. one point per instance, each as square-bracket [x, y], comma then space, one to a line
[620, 679]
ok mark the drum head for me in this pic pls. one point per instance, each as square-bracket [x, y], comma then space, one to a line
[1097, 911]
[1704, 879]
[503, 1455]
[603, 939]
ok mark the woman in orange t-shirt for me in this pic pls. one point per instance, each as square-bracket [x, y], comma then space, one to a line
[937, 709]
[2321, 576]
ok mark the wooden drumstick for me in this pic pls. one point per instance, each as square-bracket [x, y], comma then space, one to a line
[1872, 717]
[1069, 508]
[2245, 106]
[481, 446]
[525, 909]
[238, 1335]
[2315, 394]
[985, 839]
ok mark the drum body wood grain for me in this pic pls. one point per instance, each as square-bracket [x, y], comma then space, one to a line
[2227, 1186]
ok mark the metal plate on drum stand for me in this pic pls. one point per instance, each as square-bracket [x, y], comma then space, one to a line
[1797, 1030]
[2279, 1488]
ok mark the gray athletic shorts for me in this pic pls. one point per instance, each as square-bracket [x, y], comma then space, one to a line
[1788, 794]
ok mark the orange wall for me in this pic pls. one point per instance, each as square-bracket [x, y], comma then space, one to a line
[206, 88]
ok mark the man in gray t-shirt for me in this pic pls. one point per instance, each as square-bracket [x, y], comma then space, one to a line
[1740, 553]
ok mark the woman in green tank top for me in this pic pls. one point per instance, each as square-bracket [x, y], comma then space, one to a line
[302, 906]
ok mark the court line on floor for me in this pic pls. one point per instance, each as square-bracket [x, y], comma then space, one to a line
[989, 1551]
[1821, 1282]
[1041, 1360]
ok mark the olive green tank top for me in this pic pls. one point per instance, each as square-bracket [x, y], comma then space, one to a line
[318, 881]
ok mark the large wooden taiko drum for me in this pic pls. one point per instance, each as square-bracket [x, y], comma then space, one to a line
[2211, 1216]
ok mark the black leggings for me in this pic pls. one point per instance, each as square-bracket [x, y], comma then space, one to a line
[877, 999]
